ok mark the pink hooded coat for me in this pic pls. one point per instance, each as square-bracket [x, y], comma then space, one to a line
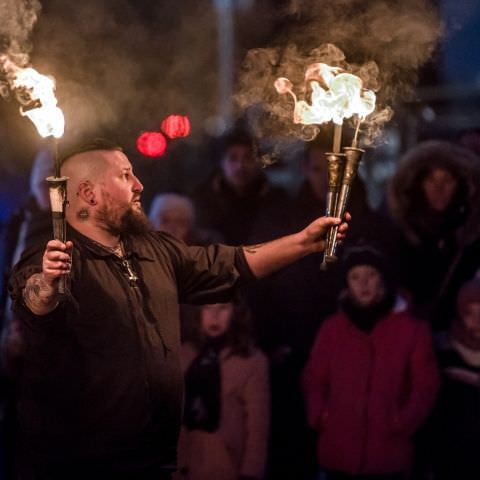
[366, 394]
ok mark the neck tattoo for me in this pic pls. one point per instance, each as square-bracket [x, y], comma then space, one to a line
[82, 214]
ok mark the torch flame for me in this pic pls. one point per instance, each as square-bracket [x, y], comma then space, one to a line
[335, 96]
[47, 118]
[36, 94]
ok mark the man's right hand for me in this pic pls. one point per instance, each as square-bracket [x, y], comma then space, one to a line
[41, 290]
[56, 260]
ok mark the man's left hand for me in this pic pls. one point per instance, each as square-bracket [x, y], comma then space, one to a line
[314, 235]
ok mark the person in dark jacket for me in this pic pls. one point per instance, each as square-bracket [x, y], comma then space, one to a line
[238, 201]
[434, 198]
[101, 385]
[371, 378]
[457, 415]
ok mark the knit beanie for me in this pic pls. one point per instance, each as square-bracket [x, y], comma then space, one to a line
[365, 255]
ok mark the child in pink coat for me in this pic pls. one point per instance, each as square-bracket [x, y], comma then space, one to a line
[371, 378]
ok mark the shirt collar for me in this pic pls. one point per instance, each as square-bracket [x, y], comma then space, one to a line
[134, 246]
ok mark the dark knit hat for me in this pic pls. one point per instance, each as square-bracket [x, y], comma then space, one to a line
[469, 293]
[366, 317]
[365, 255]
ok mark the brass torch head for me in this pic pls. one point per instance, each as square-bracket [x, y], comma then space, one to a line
[336, 165]
[353, 157]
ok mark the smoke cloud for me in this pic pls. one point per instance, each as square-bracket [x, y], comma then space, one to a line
[384, 42]
[123, 67]
[18, 20]
[125, 64]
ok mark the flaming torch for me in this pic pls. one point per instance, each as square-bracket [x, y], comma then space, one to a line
[335, 95]
[35, 93]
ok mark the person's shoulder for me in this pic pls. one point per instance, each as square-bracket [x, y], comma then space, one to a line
[332, 321]
[255, 362]
[405, 320]
[253, 358]
[164, 239]
[258, 357]
[160, 245]
[332, 325]
[173, 244]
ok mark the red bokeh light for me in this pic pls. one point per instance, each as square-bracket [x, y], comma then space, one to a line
[152, 144]
[175, 126]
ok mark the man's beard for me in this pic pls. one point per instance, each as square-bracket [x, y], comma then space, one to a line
[118, 222]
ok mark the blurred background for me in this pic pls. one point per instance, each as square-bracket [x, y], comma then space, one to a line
[121, 66]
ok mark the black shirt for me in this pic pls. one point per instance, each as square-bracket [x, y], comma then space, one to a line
[102, 378]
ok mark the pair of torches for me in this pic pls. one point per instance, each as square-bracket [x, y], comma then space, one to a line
[35, 92]
[335, 95]
[342, 170]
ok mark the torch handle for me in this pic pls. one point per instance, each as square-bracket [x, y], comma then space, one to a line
[353, 157]
[59, 233]
[336, 166]
[332, 200]
[342, 200]
[330, 251]
[58, 221]
[58, 201]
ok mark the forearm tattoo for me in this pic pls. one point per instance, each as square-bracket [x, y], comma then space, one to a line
[254, 248]
[40, 297]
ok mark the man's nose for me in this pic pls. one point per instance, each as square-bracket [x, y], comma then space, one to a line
[137, 185]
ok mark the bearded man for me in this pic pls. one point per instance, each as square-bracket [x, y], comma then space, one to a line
[101, 386]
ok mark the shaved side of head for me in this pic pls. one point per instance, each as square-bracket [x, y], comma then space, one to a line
[86, 166]
[87, 163]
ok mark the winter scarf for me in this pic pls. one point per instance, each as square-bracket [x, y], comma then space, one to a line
[203, 388]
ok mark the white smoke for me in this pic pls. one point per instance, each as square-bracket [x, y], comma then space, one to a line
[384, 42]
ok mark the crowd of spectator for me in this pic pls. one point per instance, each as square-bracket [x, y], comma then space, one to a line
[370, 370]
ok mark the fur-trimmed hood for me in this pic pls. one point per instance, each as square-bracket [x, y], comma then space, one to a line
[420, 160]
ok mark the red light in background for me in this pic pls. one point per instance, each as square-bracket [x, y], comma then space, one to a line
[175, 126]
[152, 144]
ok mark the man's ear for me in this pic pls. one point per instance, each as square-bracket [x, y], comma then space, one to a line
[86, 192]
